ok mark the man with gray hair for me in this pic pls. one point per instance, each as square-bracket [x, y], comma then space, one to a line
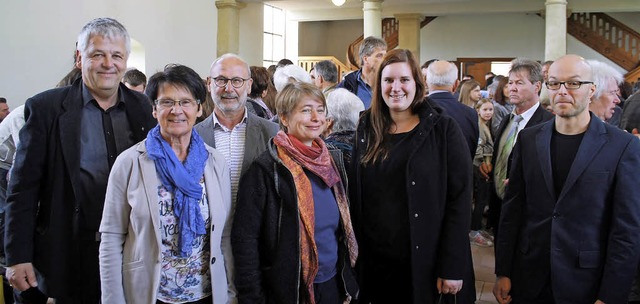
[372, 51]
[607, 95]
[325, 76]
[525, 82]
[239, 135]
[442, 79]
[71, 137]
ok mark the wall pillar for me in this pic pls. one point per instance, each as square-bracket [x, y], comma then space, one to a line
[409, 32]
[228, 40]
[555, 44]
[372, 18]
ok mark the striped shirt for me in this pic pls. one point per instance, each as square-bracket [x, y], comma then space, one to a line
[230, 142]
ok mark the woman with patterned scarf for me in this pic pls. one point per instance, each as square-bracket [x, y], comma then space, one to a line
[292, 237]
[166, 221]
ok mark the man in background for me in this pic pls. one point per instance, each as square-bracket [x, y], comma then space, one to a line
[371, 52]
[135, 80]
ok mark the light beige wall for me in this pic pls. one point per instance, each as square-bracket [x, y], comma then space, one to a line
[38, 37]
[328, 38]
[251, 33]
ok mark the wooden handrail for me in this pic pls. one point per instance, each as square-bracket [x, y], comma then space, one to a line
[607, 36]
[308, 62]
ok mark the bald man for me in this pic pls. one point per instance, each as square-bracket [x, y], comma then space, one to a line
[571, 217]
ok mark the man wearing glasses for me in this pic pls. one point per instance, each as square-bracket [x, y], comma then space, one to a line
[571, 217]
[239, 135]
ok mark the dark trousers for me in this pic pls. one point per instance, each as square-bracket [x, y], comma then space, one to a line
[327, 292]
[481, 194]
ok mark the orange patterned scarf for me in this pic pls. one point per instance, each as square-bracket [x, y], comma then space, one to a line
[324, 167]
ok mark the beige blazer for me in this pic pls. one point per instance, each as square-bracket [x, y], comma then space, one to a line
[130, 246]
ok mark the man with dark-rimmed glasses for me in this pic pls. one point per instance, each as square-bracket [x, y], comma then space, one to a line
[238, 134]
[571, 216]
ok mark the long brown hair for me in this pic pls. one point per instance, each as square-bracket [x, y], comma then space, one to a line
[380, 118]
[465, 92]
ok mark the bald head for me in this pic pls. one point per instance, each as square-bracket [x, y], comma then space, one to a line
[441, 75]
[571, 64]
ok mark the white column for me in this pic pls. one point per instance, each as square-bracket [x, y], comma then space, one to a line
[228, 26]
[409, 32]
[372, 18]
[555, 44]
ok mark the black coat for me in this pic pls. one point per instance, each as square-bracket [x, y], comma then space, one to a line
[43, 207]
[265, 237]
[466, 117]
[439, 189]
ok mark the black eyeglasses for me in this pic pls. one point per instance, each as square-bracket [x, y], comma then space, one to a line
[569, 85]
[170, 103]
[236, 82]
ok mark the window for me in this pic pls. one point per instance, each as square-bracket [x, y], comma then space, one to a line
[273, 49]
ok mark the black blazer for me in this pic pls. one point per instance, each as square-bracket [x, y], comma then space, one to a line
[466, 117]
[44, 203]
[585, 240]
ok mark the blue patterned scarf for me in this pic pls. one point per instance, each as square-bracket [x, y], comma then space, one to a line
[183, 180]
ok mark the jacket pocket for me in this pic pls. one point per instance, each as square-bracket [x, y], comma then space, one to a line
[589, 259]
[132, 265]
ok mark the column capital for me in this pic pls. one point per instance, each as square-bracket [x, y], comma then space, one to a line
[220, 4]
[409, 16]
[372, 5]
[552, 2]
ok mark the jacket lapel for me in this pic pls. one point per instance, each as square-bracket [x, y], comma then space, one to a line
[592, 142]
[151, 183]
[252, 142]
[69, 126]
[543, 142]
[208, 135]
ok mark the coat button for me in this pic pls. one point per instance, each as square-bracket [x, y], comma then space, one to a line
[213, 260]
[413, 183]
[417, 247]
[362, 140]
[213, 227]
[415, 215]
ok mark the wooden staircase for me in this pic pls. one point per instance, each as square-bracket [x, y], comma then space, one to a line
[609, 37]
[389, 34]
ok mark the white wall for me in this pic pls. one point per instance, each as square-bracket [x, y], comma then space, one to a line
[38, 37]
[328, 38]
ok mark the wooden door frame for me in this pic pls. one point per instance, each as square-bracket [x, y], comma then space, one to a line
[460, 61]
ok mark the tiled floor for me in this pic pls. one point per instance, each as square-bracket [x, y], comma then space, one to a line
[483, 264]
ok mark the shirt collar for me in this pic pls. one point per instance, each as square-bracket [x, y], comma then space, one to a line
[217, 124]
[87, 97]
[528, 113]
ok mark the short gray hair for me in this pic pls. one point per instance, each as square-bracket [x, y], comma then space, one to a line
[369, 45]
[105, 27]
[601, 73]
[446, 79]
[327, 70]
[532, 67]
[289, 73]
[344, 108]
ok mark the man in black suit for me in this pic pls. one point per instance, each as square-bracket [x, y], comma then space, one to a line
[441, 81]
[571, 217]
[525, 81]
[68, 144]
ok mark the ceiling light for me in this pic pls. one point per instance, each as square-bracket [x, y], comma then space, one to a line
[338, 2]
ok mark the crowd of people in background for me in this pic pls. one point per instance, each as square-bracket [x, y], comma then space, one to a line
[280, 185]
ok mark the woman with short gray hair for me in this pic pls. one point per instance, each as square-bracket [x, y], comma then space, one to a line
[343, 111]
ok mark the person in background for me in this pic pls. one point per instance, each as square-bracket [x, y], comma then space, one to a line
[71, 137]
[361, 82]
[470, 93]
[411, 189]
[260, 91]
[325, 76]
[292, 237]
[288, 74]
[135, 80]
[167, 214]
[4, 108]
[607, 95]
[482, 174]
[343, 110]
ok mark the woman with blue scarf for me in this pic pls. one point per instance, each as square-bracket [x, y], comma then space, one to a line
[166, 221]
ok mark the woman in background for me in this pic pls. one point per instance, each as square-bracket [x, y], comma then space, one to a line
[470, 93]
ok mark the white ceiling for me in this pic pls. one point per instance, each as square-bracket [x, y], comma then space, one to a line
[315, 10]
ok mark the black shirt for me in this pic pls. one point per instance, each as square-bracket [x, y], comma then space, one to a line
[563, 151]
[103, 136]
[385, 203]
